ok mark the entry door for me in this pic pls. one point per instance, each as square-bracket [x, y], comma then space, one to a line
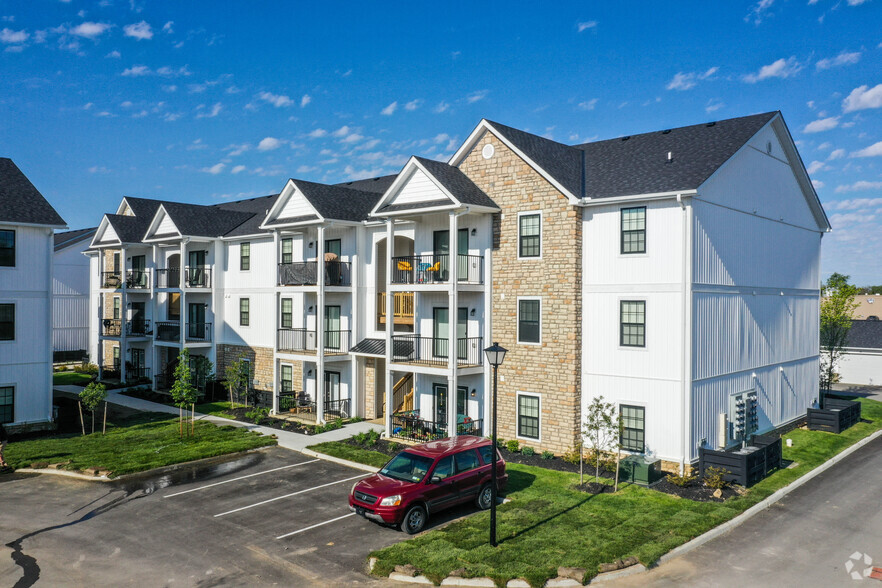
[462, 405]
[332, 267]
[462, 327]
[196, 271]
[462, 250]
[440, 331]
[439, 401]
[139, 274]
[137, 318]
[332, 327]
[196, 320]
[137, 357]
[441, 252]
[332, 392]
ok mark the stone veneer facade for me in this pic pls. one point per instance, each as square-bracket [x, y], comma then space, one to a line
[552, 369]
[261, 359]
[370, 388]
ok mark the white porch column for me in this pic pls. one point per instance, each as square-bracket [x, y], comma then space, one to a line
[488, 325]
[390, 326]
[123, 317]
[277, 323]
[320, 326]
[184, 315]
[452, 323]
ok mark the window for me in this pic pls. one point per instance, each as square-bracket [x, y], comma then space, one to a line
[116, 308]
[116, 262]
[634, 230]
[287, 313]
[287, 378]
[245, 257]
[444, 468]
[633, 323]
[466, 460]
[633, 427]
[529, 320]
[287, 250]
[530, 235]
[486, 453]
[7, 404]
[7, 248]
[7, 322]
[528, 416]
[116, 362]
[244, 312]
[174, 306]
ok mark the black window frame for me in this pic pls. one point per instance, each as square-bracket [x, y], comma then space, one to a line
[523, 420]
[7, 404]
[7, 326]
[7, 251]
[464, 456]
[522, 323]
[633, 438]
[245, 256]
[629, 330]
[290, 254]
[287, 317]
[632, 239]
[282, 379]
[117, 308]
[534, 242]
[244, 312]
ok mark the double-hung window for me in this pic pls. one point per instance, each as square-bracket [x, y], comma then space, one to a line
[245, 256]
[7, 322]
[530, 235]
[287, 378]
[633, 323]
[633, 428]
[529, 320]
[528, 416]
[244, 312]
[7, 404]
[7, 248]
[287, 313]
[287, 250]
[634, 230]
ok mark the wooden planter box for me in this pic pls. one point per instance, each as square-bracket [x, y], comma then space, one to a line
[746, 466]
[836, 416]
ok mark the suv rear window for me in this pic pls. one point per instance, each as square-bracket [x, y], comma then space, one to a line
[444, 469]
[466, 460]
[486, 453]
[407, 467]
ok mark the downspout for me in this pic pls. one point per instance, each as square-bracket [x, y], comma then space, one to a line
[686, 292]
[453, 323]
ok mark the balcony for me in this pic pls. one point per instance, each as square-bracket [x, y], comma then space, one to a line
[138, 328]
[111, 280]
[197, 277]
[304, 341]
[411, 426]
[134, 374]
[111, 327]
[199, 332]
[168, 331]
[168, 278]
[433, 351]
[137, 280]
[305, 273]
[435, 269]
[402, 308]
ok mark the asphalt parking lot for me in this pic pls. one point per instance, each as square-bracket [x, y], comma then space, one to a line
[274, 517]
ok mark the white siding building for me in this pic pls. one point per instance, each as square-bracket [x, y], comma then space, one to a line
[70, 295]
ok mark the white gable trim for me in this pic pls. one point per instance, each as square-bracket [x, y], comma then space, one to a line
[158, 219]
[98, 237]
[404, 176]
[123, 205]
[484, 125]
[289, 191]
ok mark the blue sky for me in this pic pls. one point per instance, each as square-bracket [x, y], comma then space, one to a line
[210, 101]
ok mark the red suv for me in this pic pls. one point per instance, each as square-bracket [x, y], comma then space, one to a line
[425, 479]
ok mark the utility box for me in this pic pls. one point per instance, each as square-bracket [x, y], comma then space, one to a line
[639, 470]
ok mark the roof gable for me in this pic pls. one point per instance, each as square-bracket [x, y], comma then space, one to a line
[21, 202]
[291, 207]
[161, 226]
[105, 234]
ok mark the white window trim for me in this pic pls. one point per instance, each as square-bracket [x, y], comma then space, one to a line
[645, 252]
[645, 407]
[15, 249]
[14, 339]
[518, 395]
[518, 324]
[290, 365]
[636, 298]
[541, 231]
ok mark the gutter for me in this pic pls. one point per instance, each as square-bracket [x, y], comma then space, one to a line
[679, 195]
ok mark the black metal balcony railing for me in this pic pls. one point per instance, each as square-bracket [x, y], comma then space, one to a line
[168, 278]
[336, 342]
[111, 372]
[471, 427]
[435, 268]
[137, 279]
[198, 332]
[338, 408]
[408, 425]
[168, 330]
[198, 277]
[163, 381]
[435, 350]
[134, 374]
[111, 280]
[305, 340]
[111, 327]
[305, 273]
[138, 328]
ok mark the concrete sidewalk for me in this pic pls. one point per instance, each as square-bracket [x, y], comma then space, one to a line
[287, 439]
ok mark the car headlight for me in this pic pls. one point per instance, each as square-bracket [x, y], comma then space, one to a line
[391, 500]
[352, 491]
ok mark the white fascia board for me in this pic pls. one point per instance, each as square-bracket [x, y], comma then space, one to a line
[284, 195]
[485, 125]
[588, 202]
[36, 225]
[402, 180]
[122, 206]
[154, 224]
[393, 189]
[102, 226]
[418, 211]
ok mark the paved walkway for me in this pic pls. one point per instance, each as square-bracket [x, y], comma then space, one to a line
[287, 439]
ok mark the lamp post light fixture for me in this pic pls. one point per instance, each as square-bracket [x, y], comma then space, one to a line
[495, 355]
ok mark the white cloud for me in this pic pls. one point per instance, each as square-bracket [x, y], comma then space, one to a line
[782, 68]
[841, 59]
[476, 96]
[862, 98]
[215, 110]
[352, 138]
[306, 99]
[167, 27]
[171, 116]
[441, 138]
[170, 88]
[317, 133]
[856, 2]
[413, 104]
[98, 169]
[305, 169]
[14, 49]
[197, 145]
[815, 167]
[235, 149]
[88, 105]
[139, 30]
[713, 106]
[113, 55]
[853, 203]
[836, 154]
[268, 144]
[442, 106]
[818, 184]
[587, 104]
[688, 80]
[874, 150]
[822, 124]
[233, 90]
[10, 36]
[136, 71]
[215, 169]
[277, 100]
[126, 104]
[858, 186]
[759, 11]
[237, 169]
[90, 30]
[166, 71]
[584, 26]
[389, 110]
[824, 146]
[342, 131]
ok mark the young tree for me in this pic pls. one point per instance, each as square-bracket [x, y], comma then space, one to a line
[837, 308]
[600, 430]
[92, 396]
[183, 392]
[237, 377]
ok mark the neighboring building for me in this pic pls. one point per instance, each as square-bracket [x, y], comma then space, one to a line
[869, 307]
[27, 223]
[861, 363]
[70, 295]
[675, 273]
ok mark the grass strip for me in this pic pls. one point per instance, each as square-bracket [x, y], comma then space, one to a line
[347, 451]
[71, 379]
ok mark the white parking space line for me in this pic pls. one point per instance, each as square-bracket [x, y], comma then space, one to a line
[290, 495]
[294, 465]
[314, 526]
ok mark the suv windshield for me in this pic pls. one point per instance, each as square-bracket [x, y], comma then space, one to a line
[407, 467]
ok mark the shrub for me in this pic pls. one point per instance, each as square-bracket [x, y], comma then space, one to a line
[573, 455]
[528, 451]
[547, 454]
[681, 481]
[713, 478]
[513, 446]
[86, 368]
[257, 415]
[367, 438]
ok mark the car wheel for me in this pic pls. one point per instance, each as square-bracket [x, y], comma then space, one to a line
[415, 520]
[485, 497]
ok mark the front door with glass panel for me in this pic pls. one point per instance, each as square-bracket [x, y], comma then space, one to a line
[332, 328]
[137, 356]
[462, 255]
[139, 325]
[441, 332]
[196, 272]
[196, 320]
[332, 262]
[139, 273]
[439, 402]
[332, 393]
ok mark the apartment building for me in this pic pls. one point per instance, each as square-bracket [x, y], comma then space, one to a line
[27, 224]
[676, 273]
[70, 295]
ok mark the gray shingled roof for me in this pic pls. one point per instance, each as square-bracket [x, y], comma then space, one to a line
[378, 185]
[370, 347]
[457, 183]
[339, 202]
[204, 221]
[20, 201]
[257, 207]
[865, 334]
[68, 238]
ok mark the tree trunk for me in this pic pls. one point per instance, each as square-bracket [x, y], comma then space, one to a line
[231, 397]
[104, 425]
[581, 468]
[181, 421]
[618, 460]
[597, 465]
[82, 423]
[93, 420]
[193, 420]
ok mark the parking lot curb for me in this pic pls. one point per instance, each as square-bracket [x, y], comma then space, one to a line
[345, 462]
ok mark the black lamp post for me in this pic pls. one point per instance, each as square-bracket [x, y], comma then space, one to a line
[495, 354]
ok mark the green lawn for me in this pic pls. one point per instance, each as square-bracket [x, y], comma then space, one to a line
[218, 409]
[549, 524]
[142, 442]
[71, 379]
[347, 451]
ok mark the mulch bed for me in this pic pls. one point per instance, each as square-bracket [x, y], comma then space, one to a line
[383, 446]
[696, 491]
[596, 488]
[556, 463]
